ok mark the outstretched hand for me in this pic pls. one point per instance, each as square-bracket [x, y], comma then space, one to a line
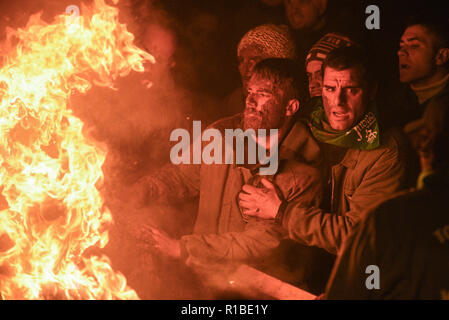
[263, 203]
[159, 240]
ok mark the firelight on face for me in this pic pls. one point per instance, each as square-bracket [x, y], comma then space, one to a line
[344, 97]
[315, 78]
[416, 55]
[264, 105]
[303, 14]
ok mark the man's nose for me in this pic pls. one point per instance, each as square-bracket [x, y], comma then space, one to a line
[315, 83]
[402, 52]
[341, 97]
[250, 101]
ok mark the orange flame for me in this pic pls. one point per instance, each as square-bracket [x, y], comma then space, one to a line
[51, 210]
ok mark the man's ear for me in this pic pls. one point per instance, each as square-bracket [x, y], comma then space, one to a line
[442, 56]
[292, 107]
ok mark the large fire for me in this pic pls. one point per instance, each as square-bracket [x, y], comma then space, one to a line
[51, 209]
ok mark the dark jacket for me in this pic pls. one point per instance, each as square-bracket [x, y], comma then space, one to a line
[407, 238]
[403, 106]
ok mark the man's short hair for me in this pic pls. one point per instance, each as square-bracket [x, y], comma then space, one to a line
[284, 73]
[344, 58]
[435, 23]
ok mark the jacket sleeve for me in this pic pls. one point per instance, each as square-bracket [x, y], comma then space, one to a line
[178, 183]
[259, 237]
[256, 241]
[172, 184]
[313, 226]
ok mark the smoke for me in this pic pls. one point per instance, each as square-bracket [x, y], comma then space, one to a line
[134, 122]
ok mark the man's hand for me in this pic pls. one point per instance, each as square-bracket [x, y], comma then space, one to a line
[260, 202]
[161, 241]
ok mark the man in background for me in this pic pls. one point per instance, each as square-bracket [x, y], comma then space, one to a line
[259, 43]
[312, 19]
[423, 67]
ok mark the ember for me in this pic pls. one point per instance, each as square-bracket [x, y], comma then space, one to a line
[51, 209]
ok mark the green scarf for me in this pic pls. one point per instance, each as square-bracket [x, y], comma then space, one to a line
[363, 136]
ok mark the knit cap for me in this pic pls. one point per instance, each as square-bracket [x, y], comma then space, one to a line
[273, 41]
[326, 44]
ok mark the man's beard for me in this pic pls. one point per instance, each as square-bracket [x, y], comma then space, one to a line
[257, 120]
[253, 122]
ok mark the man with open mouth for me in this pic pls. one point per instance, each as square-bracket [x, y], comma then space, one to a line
[423, 62]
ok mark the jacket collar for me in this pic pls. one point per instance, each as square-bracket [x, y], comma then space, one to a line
[297, 138]
[350, 159]
[299, 143]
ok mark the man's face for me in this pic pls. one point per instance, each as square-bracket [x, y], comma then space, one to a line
[302, 14]
[265, 108]
[416, 55]
[314, 77]
[345, 97]
[248, 58]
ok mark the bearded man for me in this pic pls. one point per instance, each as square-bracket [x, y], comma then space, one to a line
[222, 232]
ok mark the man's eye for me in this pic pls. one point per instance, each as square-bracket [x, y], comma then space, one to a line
[329, 89]
[353, 90]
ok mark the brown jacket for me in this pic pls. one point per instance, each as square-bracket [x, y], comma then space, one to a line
[220, 231]
[360, 180]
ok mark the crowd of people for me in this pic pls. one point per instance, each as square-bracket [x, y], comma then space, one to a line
[363, 160]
